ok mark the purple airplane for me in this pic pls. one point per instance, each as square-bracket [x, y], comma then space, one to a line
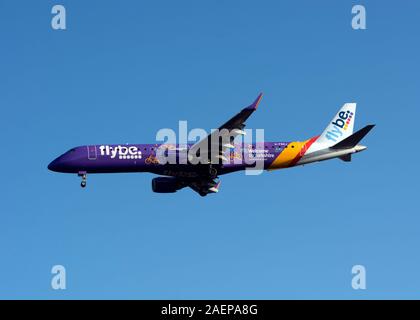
[198, 165]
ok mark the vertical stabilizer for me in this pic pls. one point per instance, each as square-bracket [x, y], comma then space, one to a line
[340, 127]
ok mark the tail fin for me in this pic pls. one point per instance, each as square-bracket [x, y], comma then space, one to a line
[340, 127]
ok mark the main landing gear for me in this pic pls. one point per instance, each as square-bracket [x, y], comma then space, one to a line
[83, 175]
[213, 172]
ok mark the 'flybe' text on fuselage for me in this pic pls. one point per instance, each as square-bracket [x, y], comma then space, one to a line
[122, 152]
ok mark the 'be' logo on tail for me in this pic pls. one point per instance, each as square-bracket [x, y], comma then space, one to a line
[341, 123]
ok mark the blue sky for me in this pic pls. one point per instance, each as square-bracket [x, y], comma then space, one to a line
[124, 69]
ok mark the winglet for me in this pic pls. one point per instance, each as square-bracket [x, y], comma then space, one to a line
[254, 105]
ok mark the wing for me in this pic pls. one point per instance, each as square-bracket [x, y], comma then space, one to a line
[211, 149]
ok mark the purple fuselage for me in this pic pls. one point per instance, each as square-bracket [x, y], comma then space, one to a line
[145, 158]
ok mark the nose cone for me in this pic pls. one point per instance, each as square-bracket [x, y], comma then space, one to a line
[54, 165]
[68, 162]
[59, 164]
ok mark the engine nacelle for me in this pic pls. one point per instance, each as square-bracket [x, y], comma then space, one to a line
[165, 185]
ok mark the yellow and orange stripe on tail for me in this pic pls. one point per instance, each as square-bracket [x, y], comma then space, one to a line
[291, 155]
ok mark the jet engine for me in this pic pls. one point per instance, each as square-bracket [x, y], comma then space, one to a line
[165, 185]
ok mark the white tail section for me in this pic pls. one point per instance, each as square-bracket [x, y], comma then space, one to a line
[340, 127]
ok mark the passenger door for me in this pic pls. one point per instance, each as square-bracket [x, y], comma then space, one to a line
[92, 152]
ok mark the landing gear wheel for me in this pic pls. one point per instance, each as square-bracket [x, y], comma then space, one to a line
[213, 172]
[83, 175]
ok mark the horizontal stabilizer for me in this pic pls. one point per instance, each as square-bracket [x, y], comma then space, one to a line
[354, 139]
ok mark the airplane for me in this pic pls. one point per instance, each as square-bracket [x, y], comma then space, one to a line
[218, 154]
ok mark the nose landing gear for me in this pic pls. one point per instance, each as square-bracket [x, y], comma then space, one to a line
[83, 175]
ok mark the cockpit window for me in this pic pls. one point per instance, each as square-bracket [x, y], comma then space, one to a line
[72, 150]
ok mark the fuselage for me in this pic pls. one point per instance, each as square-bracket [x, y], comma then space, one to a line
[144, 158]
